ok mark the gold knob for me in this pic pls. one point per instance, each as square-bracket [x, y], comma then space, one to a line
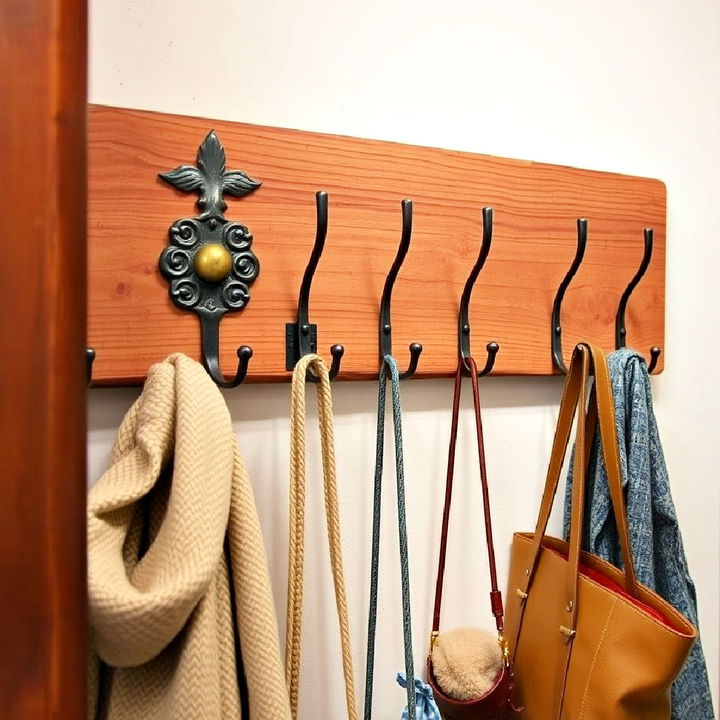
[213, 262]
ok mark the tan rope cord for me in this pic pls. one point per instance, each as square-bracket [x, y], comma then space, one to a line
[297, 527]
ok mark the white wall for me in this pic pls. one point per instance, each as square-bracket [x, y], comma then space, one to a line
[627, 87]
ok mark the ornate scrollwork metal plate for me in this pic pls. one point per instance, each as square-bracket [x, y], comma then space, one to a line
[190, 289]
[209, 261]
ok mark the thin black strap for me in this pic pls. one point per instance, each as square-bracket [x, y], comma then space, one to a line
[389, 367]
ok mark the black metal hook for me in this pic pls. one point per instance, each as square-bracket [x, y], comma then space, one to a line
[620, 331]
[385, 315]
[464, 313]
[556, 327]
[301, 337]
[210, 342]
[89, 359]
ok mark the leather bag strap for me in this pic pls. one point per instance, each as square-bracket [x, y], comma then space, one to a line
[569, 618]
[296, 543]
[605, 405]
[496, 603]
[389, 367]
[566, 416]
[601, 398]
[600, 412]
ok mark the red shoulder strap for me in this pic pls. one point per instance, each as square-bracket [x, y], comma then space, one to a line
[495, 594]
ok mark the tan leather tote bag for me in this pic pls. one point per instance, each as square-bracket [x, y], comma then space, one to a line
[588, 641]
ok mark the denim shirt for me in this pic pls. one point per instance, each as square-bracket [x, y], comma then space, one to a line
[655, 538]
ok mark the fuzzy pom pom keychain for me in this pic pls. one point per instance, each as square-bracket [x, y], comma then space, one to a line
[466, 662]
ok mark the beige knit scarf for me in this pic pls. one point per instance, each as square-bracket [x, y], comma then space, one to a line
[176, 565]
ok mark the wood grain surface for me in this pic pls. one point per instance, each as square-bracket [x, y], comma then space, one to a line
[132, 322]
[43, 660]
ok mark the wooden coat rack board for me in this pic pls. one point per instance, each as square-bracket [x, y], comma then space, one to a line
[133, 323]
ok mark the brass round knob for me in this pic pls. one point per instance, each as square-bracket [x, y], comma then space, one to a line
[213, 262]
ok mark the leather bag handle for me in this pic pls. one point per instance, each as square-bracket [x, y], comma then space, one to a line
[495, 594]
[605, 407]
[602, 407]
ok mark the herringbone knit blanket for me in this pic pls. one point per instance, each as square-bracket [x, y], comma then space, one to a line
[180, 602]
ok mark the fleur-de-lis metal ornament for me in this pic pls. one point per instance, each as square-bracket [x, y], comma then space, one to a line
[209, 262]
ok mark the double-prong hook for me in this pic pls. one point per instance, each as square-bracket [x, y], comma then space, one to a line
[464, 313]
[301, 337]
[385, 314]
[556, 327]
[620, 330]
[210, 352]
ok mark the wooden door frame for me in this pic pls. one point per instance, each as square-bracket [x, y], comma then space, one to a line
[43, 56]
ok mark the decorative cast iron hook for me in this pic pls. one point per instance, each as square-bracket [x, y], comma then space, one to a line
[464, 313]
[556, 328]
[301, 337]
[385, 316]
[209, 262]
[620, 331]
[89, 359]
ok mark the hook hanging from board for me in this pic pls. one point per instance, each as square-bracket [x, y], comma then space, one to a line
[620, 330]
[464, 349]
[556, 328]
[385, 313]
[301, 336]
[89, 360]
[209, 263]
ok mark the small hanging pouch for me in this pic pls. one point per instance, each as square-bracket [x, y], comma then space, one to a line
[316, 365]
[469, 646]
[389, 367]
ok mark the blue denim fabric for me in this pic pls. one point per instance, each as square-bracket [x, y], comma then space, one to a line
[655, 538]
[425, 707]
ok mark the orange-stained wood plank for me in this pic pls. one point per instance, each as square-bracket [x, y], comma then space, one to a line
[43, 660]
[132, 322]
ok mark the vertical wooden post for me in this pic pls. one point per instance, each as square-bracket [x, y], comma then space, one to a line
[42, 340]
